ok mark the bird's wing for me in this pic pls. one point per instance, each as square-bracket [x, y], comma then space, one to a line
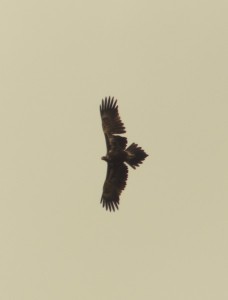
[111, 122]
[114, 184]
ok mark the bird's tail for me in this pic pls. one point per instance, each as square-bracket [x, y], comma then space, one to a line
[135, 155]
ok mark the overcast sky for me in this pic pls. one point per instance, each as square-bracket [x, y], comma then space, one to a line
[166, 62]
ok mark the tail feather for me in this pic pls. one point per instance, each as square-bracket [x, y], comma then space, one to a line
[135, 155]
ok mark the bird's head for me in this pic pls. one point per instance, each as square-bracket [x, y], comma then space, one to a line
[104, 158]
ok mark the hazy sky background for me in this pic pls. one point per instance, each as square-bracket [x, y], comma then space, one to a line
[166, 62]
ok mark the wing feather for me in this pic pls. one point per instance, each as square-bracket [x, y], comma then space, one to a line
[114, 184]
[111, 122]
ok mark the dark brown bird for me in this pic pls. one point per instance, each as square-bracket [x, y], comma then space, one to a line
[117, 154]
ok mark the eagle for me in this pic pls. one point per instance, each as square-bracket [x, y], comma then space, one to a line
[118, 155]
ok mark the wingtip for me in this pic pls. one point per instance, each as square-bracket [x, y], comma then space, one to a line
[108, 103]
[110, 206]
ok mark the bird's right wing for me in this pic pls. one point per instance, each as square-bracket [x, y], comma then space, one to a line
[114, 184]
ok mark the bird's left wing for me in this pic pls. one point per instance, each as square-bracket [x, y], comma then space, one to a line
[111, 122]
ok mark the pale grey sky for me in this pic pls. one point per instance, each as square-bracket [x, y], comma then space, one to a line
[166, 63]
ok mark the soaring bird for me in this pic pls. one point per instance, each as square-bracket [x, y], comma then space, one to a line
[117, 155]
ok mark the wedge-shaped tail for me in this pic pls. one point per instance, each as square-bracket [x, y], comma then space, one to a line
[135, 155]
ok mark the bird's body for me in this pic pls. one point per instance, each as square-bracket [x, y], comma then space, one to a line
[117, 154]
[113, 157]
